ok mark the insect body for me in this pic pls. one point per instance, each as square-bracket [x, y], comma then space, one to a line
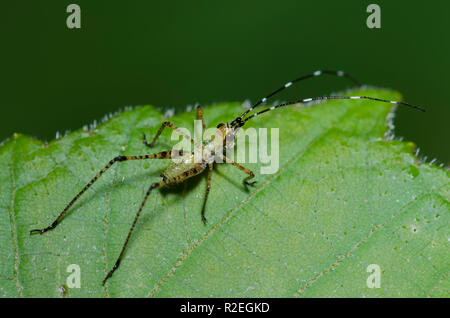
[177, 170]
[209, 150]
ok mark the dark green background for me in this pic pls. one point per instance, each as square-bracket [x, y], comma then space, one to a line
[174, 53]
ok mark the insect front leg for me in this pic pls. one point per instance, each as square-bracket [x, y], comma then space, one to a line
[250, 173]
[164, 125]
[159, 155]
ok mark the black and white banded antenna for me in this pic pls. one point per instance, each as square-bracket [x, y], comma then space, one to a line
[288, 84]
[240, 122]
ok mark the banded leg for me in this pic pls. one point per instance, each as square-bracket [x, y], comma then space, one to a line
[159, 155]
[119, 259]
[250, 173]
[208, 187]
[170, 125]
[179, 178]
[200, 116]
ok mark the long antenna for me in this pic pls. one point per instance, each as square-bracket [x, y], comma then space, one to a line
[240, 122]
[288, 84]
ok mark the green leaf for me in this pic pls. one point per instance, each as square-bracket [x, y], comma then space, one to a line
[345, 197]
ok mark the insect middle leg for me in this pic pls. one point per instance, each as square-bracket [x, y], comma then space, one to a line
[200, 116]
[208, 187]
[159, 155]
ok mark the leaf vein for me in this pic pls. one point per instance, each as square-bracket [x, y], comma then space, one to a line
[340, 258]
[191, 248]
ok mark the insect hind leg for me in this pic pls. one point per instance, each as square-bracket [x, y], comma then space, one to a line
[119, 259]
[176, 179]
[159, 155]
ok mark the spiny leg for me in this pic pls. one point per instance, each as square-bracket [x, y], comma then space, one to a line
[119, 259]
[159, 155]
[208, 187]
[164, 125]
[200, 116]
[176, 179]
[250, 173]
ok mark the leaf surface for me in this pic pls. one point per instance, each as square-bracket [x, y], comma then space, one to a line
[345, 196]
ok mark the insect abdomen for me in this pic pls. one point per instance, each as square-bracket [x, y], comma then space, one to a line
[179, 172]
